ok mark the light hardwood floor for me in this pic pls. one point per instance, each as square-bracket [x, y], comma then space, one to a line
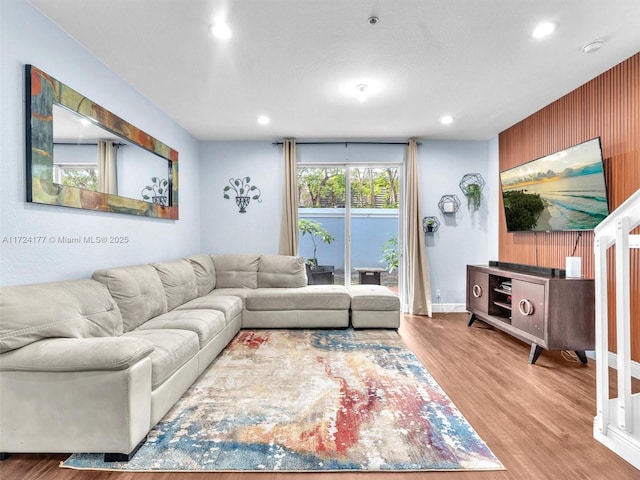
[537, 419]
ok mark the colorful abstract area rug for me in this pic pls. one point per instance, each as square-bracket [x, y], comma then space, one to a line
[310, 400]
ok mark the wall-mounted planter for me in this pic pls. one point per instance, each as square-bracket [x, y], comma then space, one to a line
[430, 224]
[472, 185]
[449, 204]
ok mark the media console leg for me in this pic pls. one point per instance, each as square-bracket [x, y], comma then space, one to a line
[534, 353]
[472, 318]
[581, 356]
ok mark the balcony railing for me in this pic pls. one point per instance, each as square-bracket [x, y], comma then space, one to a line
[617, 423]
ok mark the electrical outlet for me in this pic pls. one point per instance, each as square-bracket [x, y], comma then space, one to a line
[438, 293]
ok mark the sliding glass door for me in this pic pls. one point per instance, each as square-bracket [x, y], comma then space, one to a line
[349, 222]
[374, 218]
[322, 222]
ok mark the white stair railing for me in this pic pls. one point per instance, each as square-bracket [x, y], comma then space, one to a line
[617, 423]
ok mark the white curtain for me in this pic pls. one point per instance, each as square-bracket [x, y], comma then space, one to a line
[107, 167]
[419, 283]
[289, 227]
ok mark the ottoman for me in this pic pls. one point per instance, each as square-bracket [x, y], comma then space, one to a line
[374, 306]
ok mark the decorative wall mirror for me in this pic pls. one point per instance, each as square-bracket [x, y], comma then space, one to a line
[83, 156]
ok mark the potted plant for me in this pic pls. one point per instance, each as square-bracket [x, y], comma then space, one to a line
[430, 223]
[245, 192]
[317, 274]
[472, 185]
[473, 196]
[390, 254]
[314, 229]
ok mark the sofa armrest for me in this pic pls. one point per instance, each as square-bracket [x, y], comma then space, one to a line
[77, 354]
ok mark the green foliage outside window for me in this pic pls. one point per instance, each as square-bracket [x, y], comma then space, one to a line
[326, 188]
[85, 178]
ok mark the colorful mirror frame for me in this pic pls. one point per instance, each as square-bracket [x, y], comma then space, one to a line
[42, 91]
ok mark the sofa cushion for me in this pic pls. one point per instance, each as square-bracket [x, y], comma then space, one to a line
[205, 272]
[178, 280]
[230, 306]
[138, 292]
[72, 309]
[173, 348]
[312, 297]
[204, 323]
[373, 298]
[240, 293]
[77, 354]
[236, 270]
[281, 271]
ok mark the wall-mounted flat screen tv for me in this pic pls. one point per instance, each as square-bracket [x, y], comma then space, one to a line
[562, 191]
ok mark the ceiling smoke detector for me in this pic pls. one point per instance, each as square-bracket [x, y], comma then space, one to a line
[361, 92]
[373, 20]
[593, 46]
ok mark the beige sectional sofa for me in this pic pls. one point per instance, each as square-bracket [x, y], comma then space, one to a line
[92, 365]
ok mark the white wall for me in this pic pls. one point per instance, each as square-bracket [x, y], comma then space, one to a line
[28, 37]
[462, 237]
[224, 229]
[353, 153]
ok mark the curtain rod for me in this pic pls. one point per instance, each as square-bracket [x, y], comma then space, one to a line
[347, 143]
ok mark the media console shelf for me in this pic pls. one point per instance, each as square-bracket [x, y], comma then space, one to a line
[536, 305]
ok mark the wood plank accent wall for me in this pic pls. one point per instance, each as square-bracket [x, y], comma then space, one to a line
[609, 107]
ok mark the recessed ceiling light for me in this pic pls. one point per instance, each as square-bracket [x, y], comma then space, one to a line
[593, 46]
[220, 30]
[446, 120]
[263, 119]
[373, 20]
[361, 91]
[543, 30]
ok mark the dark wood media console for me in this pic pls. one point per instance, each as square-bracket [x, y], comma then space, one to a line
[536, 305]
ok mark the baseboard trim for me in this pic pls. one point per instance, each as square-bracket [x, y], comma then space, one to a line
[612, 358]
[442, 308]
[448, 308]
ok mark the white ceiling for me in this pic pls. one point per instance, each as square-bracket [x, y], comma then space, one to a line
[298, 61]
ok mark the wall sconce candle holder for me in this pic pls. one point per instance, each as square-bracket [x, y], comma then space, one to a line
[156, 192]
[245, 192]
[449, 204]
